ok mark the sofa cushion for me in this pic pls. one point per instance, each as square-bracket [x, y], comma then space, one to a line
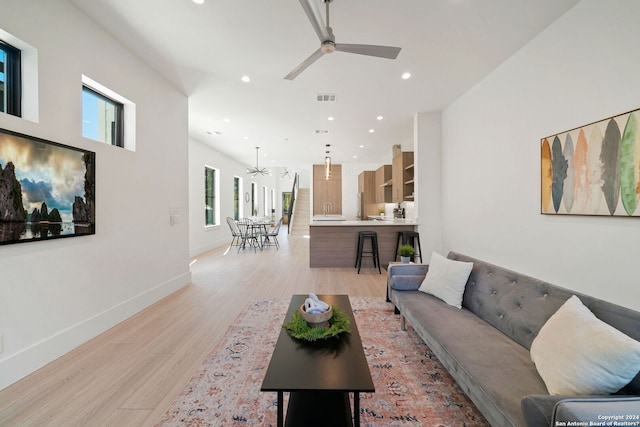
[446, 279]
[482, 360]
[577, 353]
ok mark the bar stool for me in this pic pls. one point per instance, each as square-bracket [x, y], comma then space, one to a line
[412, 238]
[374, 249]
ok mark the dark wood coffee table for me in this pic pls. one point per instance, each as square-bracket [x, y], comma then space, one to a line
[319, 375]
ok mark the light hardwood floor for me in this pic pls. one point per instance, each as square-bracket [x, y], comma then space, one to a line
[130, 374]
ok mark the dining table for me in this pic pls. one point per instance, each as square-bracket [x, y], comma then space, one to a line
[260, 228]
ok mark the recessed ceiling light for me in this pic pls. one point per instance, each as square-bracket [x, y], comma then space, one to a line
[372, 130]
[245, 79]
[355, 157]
[362, 146]
[379, 117]
[245, 137]
[198, 1]
[330, 118]
[406, 76]
[226, 120]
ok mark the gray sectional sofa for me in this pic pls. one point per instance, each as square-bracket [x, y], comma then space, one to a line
[485, 345]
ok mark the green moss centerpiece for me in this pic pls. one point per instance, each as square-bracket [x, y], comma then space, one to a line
[300, 329]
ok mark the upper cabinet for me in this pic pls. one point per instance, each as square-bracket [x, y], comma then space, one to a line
[402, 177]
[366, 186]
[383, 184]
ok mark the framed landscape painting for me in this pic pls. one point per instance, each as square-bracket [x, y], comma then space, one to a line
[593, 170]
[47, 190]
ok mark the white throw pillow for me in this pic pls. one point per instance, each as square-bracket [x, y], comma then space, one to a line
[576, 353]
[446, 279]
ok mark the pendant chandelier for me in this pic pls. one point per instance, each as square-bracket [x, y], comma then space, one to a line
[257, 169]
[327, 163]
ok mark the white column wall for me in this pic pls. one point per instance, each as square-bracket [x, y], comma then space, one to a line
[428, 181]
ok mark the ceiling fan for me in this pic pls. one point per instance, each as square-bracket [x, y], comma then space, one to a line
[257, 169]
[328, 41]
[285, 173]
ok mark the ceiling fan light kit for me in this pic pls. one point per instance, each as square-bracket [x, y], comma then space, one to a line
[328, 41]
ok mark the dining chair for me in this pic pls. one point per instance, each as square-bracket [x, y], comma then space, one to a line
[235, 232]
[271, 238]
[247, 234]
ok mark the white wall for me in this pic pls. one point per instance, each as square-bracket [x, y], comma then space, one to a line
[57, 294]
[583, 68]
[203, 238]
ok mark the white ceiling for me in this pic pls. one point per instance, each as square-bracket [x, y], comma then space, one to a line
[447, 45]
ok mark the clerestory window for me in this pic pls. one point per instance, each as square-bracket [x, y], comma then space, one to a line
[10, 80]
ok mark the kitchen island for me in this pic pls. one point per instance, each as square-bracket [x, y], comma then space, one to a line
[334, 242]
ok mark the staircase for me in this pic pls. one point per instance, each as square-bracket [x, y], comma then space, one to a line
[301, 213]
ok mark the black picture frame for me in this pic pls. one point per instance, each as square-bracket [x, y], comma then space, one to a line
[47, 189]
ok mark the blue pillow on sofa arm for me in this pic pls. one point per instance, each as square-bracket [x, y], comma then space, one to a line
[406, 282]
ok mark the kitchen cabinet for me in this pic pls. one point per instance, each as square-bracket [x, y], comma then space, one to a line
[327, 193]
[367, 189]
[367, 186]
[383, 184]
[402, 177]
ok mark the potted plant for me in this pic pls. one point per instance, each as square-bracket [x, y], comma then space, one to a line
[406, 252]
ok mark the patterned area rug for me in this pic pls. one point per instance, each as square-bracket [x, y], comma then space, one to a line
[412, 386]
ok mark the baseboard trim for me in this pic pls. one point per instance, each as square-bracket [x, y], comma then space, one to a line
[18, 365]
[193, 252]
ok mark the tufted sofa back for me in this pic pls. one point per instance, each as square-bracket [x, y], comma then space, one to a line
[519, 305]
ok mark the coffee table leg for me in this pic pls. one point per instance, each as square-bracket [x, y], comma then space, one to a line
[280, 409]
[356, 409]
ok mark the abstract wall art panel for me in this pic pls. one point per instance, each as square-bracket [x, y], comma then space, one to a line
[47, 190]
[593, 169]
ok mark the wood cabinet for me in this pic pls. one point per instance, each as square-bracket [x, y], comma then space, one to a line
[367, 186]
[402, 177]
[383, 184]
[327, 193]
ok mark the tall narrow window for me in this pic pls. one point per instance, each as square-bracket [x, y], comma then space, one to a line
[237, 191]
[102, 118]
[254, 199]
[265, 201]
[210, 196]
[10, 80]
[273, 202]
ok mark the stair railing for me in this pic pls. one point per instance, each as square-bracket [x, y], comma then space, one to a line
[294, 195]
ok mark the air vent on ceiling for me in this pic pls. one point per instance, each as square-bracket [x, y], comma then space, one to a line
[327, 97]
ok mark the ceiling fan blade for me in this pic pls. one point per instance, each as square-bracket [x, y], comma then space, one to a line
[315, 17]
[303, 66]
[370, 50]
